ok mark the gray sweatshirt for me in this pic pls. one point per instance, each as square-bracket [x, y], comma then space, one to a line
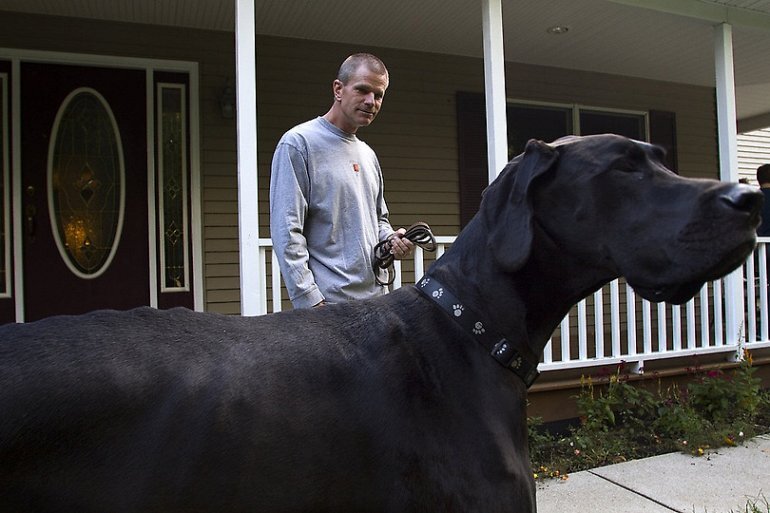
[327, 212]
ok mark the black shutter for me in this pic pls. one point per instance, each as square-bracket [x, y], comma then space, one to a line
[472, 152]
[663, 133]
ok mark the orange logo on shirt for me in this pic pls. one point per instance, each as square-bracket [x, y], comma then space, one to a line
[356, 167]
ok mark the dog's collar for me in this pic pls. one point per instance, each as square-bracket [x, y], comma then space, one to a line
[515, 356]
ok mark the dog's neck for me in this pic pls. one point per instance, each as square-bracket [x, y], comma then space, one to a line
[513, 353]
[550, 286]
[527, 304]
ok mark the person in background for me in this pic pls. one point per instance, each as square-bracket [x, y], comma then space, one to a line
[327, 207]
[763, 177]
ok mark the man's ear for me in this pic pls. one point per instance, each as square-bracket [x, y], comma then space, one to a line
[507, 207]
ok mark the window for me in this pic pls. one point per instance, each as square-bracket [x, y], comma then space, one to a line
[172, 194]
[603, 122]
[526, 122]
[546, 122]
[86, 183]
[549, 122]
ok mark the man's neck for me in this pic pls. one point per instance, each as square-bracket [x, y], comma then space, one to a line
[334, 119]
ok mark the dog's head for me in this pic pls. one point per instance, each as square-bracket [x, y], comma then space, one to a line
[610, 204]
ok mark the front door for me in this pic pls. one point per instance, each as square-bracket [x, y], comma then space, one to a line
[84, 189]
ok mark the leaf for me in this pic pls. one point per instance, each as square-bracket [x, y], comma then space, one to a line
[610, 415]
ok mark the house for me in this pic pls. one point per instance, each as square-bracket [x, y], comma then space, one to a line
[178, 104]
[753, 151]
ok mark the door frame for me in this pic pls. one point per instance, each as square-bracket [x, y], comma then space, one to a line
[150, 66]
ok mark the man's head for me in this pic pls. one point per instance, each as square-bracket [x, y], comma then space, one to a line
[351, 64]
[763, 174]
[358, 92]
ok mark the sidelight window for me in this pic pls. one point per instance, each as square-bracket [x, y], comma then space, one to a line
[172, 178]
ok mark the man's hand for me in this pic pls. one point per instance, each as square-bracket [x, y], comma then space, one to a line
[400, 247]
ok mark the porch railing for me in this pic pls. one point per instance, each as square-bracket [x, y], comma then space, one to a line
[614, 325]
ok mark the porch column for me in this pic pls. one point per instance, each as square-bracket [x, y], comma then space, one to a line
[494, 87]
[728, 169]
[246, 112]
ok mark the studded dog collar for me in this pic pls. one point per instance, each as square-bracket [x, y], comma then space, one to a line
[516, 357]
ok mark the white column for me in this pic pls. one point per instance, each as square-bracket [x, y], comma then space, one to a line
[728, 168]
[494, 86]
[248, 209]
[726, 117]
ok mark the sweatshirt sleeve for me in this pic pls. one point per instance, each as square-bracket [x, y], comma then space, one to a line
[289, 190]
[383, 221]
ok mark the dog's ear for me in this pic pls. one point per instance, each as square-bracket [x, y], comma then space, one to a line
[507, 205]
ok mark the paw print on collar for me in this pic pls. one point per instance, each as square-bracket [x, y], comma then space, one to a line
[478, 328]
[458, 309]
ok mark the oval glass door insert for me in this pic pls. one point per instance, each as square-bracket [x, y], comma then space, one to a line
[86, 183]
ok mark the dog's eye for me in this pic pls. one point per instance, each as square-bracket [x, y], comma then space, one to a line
[626, 165]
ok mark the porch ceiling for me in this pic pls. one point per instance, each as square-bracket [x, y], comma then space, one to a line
[656, 39]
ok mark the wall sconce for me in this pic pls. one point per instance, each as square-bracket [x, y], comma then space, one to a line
[227, 101]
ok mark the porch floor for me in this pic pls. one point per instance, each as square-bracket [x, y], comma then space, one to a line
[723, 481]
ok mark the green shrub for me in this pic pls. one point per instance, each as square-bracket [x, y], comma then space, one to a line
[720, 397]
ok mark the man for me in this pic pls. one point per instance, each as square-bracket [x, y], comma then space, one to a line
[327, 208]
[763, 177]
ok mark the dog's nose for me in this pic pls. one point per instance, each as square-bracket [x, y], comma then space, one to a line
[743, 197]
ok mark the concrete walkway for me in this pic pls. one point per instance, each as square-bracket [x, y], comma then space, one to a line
[719, 482]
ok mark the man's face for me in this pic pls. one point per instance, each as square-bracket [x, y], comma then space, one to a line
[360, 99]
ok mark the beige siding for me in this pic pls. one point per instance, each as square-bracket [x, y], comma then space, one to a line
[414, 136]
[753, 151]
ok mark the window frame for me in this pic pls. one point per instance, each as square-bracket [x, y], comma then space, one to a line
[160, 85]
[658, 126]
[578, 107]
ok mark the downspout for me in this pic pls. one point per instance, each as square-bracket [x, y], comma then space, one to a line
[728, 171]
[494, 87]
[246, 111]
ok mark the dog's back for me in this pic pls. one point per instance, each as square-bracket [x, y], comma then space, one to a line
[146, 409]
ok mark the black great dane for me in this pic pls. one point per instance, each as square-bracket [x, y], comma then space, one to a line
[412, 402]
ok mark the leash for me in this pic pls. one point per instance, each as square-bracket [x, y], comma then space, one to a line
[419, 233]
[515, 356]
